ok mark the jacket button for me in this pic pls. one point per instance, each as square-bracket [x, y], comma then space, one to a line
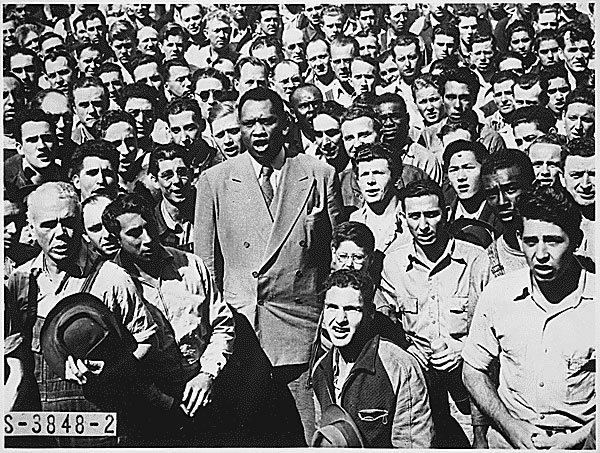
[260, 302]
[246, 244]
[302, 243]
[255, 274]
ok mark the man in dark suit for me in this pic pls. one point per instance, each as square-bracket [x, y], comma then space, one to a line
[263, 226]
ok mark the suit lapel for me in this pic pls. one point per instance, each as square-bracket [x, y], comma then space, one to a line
[292, 192]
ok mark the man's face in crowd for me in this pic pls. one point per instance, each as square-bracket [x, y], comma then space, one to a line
[142, 112]
[348, 255]
[138, 238]
[148, 74]
[464, 173]
[548, 52]
[14, 221]
[147, 40]
[305, 103]
[579, 120]
[218, 34]
[90, 104]
[357, 132]
[343, 315]
[443, 45]
[424, 218]
[545, 158]
[429, 103]
[185, 128]
[89, 62]
[237, 11]
[172, 47]
[262, 130]
[191, 17]
[51, 45]
[332, 27]
[59, 74]
[313, 14]
[207, 92]
[328, 135]
[57, 228]
[576, 54]
[558, 89]
[363, 77]
[13, 98]
[124, 50]
[388, 71]
[394, 122]
[57, 105]
[179, 82]
[547, 248]
[227, 134]
[511, 64]
[408, 61]
[546, 21]
[580, 179]
[97, 175]
[138, 11]
[174, 179]
[318, 59]
[251, 76]
[467, 26]
[101, 239]
[368, 46]
[81, 33]
[270, 22]
[31, 41]
[38, 143]
[504, 96]
[24, 68]
[398, 16]
[482, 54]
[374, 180]
[525, 134]
[366, 19]
[286, 78]
[527, 97]
[293, 45]
[268, 54]
[457, 99]
[341, 59]
[123, 136]
[502, 190]
[8, 28]
[520, 42]
[95, 30]
[113, 81]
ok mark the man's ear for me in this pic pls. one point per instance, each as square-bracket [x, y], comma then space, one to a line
[20, 149]
[76, 182]
[519, 235]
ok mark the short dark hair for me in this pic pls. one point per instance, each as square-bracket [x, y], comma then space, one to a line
[460, 75]
[108, 67]
[169, 151]
[544, 35]
[553, 138]
[126, 204]
[111, 117]
[180, 105]
[165, 68]
[211, 73]
[582, 95]
[333, 109]
[356, 232]
[350, 278]
[343, 41]
[542, 117]
[38, 99]
[446, 29]
[32, 116]
[142, 59]
[583, 147]
[578, 32]
[519, 25]
[508, 158]
[422, 188]
[480, 151]
[94, 148]
[406, 39]
[87, 82]
[267, 41]
[552, 204]
[503, 76]
[372, 151]
[86, 45]
[243, 61]
[170, 29]
[264, 94]
[553, 72]
[358, 112]
[139, 90]
[56, 54]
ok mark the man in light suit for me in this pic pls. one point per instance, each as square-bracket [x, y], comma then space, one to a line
[264, 221]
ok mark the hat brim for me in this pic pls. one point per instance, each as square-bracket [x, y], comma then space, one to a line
[335, 415]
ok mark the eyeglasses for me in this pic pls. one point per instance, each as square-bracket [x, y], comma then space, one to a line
[168, 175]
[205, 94]
[356, 259]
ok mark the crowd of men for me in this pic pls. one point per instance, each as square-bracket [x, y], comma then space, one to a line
[314, 224]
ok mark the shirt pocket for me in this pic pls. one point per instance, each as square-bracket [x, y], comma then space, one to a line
[580, 375]
[409, 310]
[458, 308]
[374, 416]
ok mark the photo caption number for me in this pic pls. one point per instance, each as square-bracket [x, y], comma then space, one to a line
[60, 424]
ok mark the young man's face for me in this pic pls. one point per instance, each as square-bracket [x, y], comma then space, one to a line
[191, 17]
[579, 120]
[394, 121]
[545, 158]
[374, 180]
[367, 46]
[89, 105]
[142, 112]
[328, 135]
[95, 30]
[547, 248]
[467, 26]
[362, 77]
[580, 179]
[124, 50]
[268, 54]
[101, 239]
[408, 61]
[349, 255]
[520, 42]
[457, 99]
[332, 27]
[429, 103]
[425, 219]
[251, 76]
[227, 135]
[89, 62]
[179, 82]
[172, 47]
[148, 74]
[96, 175]
[113, 81]
[558, 89]
[464, 173]
[443, 45]
[398, 16]
[388, 71]
[313, 14]
[137, 237]
[548, 52]
[525, 134]
[59, 74]
[546, 21]
[527, 97]
[504, 96]
[482, 54]
[366, 19]
[502, 190]
[207, 92]
[343, 315]
[357, 132]
[318, 59]
[123, 136]
[38, 144]
[262, 130]
[576, 54]
[341, 59]
[14, 221]
[270, 22]
[174, 179]
[23, 67]
[13, 98]
[185, 128]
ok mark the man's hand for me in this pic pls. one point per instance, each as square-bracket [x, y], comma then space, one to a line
[191, 280]
[521, 434]
[449, 358]
[420, 356]
[76, 371]
[559, 441]
[197, 393]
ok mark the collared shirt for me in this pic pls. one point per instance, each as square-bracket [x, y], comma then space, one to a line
[462, 212]
[184, 230]
[186, 295]
[334, 91]
[277, 166]
[80, 134]
[437, 301]
[205, 57]
[547, 352]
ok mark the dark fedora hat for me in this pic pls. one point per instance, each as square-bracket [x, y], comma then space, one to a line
[82, 326]
[337, 430]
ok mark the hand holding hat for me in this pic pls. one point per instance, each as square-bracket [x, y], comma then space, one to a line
[77, 370]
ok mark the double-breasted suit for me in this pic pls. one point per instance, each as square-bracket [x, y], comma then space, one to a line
[270, 263]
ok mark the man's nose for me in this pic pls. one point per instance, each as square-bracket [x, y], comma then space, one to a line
[541, 251]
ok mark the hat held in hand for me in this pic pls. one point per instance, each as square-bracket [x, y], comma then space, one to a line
[337, 430]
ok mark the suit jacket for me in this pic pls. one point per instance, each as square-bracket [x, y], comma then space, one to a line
[270, 267]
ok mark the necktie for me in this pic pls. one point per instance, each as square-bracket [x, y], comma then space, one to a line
[265, 184]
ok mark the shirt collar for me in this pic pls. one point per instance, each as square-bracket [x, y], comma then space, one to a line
[449, 254]
[277, 164]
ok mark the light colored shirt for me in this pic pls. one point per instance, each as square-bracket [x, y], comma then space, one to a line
[277, 166]
[547, 353]
[184, 233]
